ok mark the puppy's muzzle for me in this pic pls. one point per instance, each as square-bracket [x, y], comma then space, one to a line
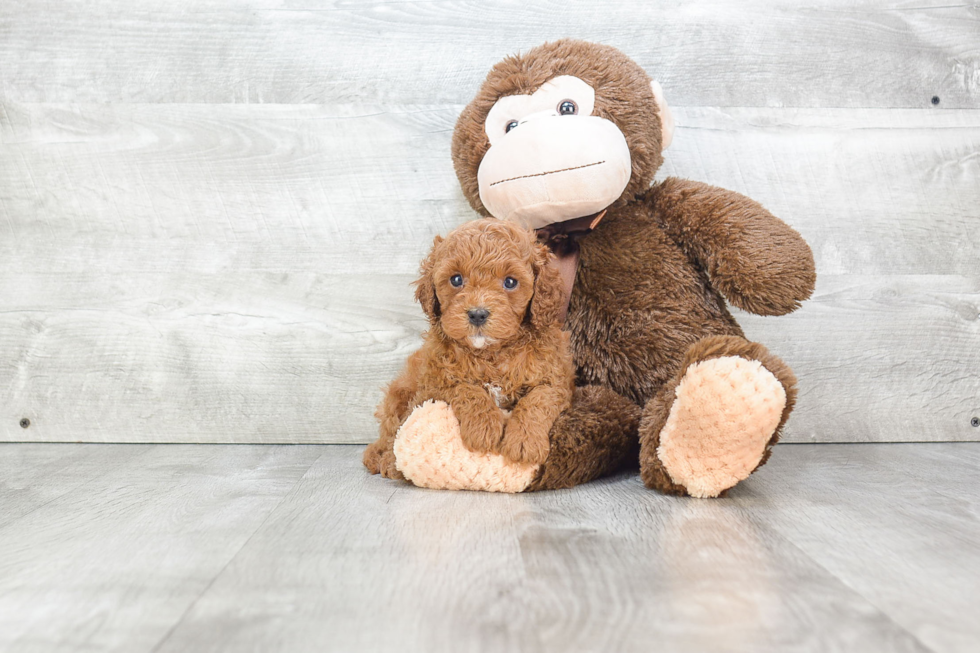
[478, 316]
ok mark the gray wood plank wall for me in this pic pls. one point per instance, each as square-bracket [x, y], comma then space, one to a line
[210, 212]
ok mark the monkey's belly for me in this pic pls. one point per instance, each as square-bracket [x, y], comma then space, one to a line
[635, 353]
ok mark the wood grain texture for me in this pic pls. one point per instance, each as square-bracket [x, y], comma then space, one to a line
[898, 524]
[164, 188]
[171, 187]
[828, 53]
[30, 478]
[273, 365]
[240, 273]
[113, 563]
[364, 564]
[259, 548]
[882, 358]
[873, 192]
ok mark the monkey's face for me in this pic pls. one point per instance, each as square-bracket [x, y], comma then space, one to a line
[562, 131]
[550, 159]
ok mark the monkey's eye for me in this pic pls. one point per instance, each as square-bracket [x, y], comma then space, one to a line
[510, 283]
[456, 280]
[567, 108]
[511, 125]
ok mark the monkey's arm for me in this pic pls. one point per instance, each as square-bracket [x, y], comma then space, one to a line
[761, 264]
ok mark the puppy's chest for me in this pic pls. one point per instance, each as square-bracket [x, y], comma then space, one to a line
[505, 381]
[504, 387]
[505, 400]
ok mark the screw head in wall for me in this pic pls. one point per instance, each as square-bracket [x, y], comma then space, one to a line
[24, 423]
[975, 421]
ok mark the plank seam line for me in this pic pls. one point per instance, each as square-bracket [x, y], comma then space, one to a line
[149, 446]
[231, 559]
[838, 579]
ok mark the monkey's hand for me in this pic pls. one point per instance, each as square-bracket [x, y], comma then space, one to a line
[761, 264]
[430, 453]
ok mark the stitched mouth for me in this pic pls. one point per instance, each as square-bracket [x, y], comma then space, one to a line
[550, 172]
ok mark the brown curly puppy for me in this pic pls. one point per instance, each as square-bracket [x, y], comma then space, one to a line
[495, 351]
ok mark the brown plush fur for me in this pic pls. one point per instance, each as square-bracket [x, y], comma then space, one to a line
[600, 429]
[508, 392]
[649, 296]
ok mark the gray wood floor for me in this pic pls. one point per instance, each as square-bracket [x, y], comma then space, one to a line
[852, 547]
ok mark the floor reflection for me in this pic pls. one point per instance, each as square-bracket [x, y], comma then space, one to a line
[718, 577]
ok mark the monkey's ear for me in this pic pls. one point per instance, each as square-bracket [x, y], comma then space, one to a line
[425, 289]
[548, 300]
[666, 117]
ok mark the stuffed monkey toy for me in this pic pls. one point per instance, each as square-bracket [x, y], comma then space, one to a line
[566, 139]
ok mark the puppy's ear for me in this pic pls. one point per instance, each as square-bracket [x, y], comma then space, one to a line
[425, 289]
[549, 292]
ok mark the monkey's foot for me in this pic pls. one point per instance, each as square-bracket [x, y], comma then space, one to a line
[431, 454]
[724, 413]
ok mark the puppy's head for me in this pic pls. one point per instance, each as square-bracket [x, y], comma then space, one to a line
[487, 281]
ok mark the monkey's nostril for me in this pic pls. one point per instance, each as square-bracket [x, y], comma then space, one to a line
[478, 316]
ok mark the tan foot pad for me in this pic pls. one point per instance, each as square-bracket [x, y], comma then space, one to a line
[725, 411]
[430, 453]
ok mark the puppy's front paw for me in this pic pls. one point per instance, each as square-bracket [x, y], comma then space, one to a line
[481, 433]
[525, 443]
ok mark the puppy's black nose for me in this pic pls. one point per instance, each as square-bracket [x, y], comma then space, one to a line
[478, 316]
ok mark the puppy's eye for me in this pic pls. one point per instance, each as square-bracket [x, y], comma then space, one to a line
[456, 280]
[511, 125]
[510, 283]
[567, 108]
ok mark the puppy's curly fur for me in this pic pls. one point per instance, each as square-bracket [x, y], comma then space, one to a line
[507, 379]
